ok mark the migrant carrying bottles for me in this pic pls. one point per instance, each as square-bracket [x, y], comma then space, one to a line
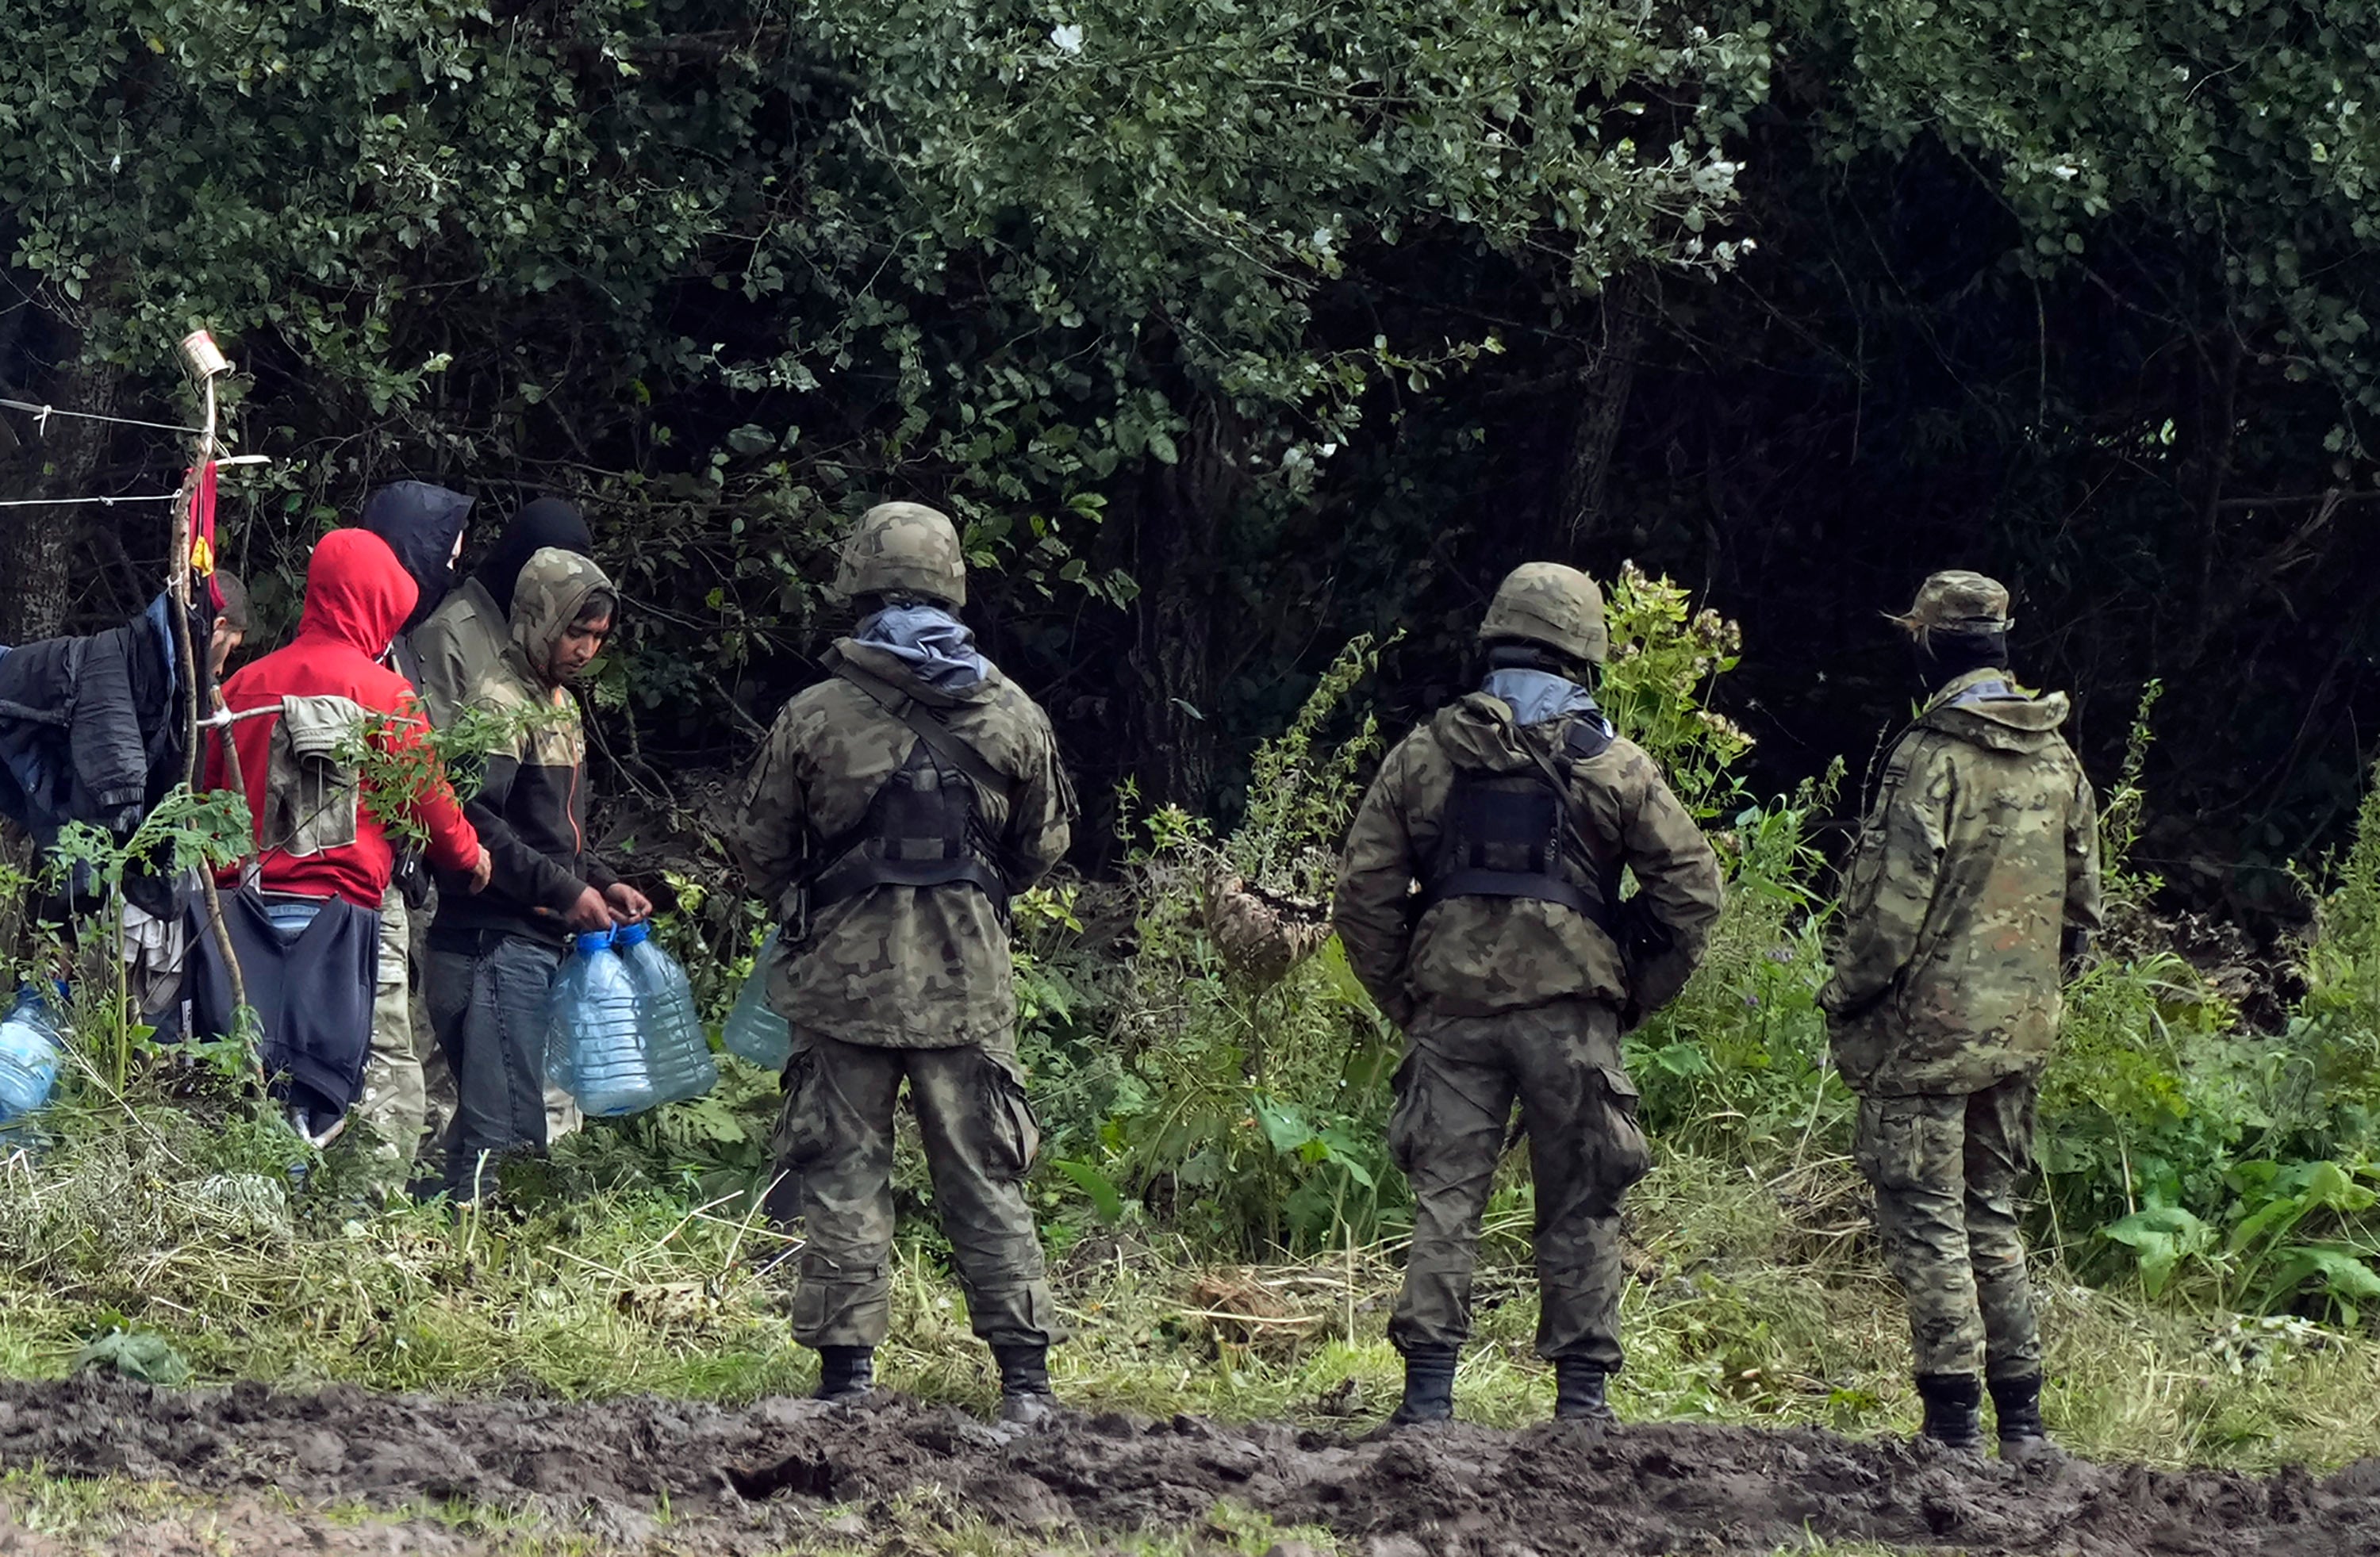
[594, 1047]
[677, 1051]
[30, 1047]
[755, 1031]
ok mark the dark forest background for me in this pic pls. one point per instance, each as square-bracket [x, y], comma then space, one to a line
[1231, 332]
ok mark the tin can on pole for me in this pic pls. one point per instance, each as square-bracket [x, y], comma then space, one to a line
[205, 359]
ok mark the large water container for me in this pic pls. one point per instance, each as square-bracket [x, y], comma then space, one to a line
[30, 1048]
[596, 1034]
[755, 1031]
[675, 1044]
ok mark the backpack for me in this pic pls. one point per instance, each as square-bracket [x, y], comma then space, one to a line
[1507, 835]
[924, 826]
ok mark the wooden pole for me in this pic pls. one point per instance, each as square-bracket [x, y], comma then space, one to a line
[206, 363]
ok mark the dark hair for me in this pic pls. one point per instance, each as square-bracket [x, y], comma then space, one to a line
[600, 605]
[234, 617]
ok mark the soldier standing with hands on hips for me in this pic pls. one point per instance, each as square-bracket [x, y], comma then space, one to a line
[1514, 970]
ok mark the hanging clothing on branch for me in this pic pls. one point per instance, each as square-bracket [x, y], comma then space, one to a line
[92, 728]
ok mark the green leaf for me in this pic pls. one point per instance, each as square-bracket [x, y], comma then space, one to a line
[1106, 1199]
[142, 1355]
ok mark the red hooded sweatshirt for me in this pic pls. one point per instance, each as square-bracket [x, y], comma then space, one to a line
[357, 594]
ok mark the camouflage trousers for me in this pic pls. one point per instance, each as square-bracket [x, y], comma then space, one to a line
[1455, 1092]
[391, 1107]
[1945, 1168]
[836, 1133]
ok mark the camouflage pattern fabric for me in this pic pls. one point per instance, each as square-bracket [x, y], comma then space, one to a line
[1957, 601]
[835, 1132]
[1455, 1092]
[1946, 1170]
[1982, 846]
[903, 548]
[1260, 938]
[898, 967]
[392, 1106]
[1548, 603]
[1481, 956]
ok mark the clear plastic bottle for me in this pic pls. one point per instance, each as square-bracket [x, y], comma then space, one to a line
[30, 1048]
[755, 1031]
[675, 1044]
[596, 1034]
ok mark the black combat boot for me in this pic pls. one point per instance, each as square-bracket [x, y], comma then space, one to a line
[2023, 1441]
[1954, 1410]
[1025, 1397]
[1429, 1387]
[847, 1374]
[1578, 1393]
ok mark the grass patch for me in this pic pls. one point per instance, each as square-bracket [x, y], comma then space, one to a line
[1754, 1301]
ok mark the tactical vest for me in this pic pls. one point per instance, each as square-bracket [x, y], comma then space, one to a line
[924, 826]
[1505, 835]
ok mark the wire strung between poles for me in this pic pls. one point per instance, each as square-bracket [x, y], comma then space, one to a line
[61, 502]
[44, 413]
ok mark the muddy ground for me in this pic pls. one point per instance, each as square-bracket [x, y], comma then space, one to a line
[671, 1475]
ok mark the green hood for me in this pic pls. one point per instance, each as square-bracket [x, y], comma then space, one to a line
[553, 584]
[1989, 709]
[1477, 733]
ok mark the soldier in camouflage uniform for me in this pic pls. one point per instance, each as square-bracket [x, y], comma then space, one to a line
[1980, 857]
[1515, 969]
[893, 811]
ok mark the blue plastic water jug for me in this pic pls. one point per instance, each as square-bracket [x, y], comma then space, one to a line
[755, 1031]
[595, 1048]
[30, 1048]
[675, 1045]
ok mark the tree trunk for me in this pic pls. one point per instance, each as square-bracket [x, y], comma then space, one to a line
[64, 458]
[1183, 511]
[1628, 304]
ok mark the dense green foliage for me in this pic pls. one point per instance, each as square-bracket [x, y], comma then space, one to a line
[1232, 333]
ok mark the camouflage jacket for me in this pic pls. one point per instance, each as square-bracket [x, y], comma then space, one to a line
[898, 967]
[531, 805]
[1982, 847]
[1468, 956]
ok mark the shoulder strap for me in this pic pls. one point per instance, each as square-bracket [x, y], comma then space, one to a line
[945, 742]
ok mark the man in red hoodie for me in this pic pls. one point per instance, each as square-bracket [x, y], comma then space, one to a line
[319, 832]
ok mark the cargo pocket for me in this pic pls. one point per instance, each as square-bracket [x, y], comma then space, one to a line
[1409, 1120]
[802, 1131]
[1886, 1146]
[1621, 1155]
[1014, 1135]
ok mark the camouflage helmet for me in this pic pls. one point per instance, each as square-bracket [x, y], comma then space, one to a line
[1956, 601]
[1548, 603]
[903, 548]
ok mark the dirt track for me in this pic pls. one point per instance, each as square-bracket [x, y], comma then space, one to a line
[606, 1468]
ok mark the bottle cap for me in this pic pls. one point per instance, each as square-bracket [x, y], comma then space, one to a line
[631, 935]
[592, 941]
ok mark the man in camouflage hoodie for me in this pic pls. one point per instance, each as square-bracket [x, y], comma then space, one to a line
[492, 957]
[1979, 859]
[1514, 969]
[893, 809]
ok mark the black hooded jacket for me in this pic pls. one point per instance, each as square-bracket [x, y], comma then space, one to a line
[422, 524]
[91, 728]
[546, 522]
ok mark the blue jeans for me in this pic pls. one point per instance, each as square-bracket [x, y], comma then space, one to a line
[489, 1010]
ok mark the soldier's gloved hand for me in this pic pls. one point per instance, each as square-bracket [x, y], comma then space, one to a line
[2073, 947]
